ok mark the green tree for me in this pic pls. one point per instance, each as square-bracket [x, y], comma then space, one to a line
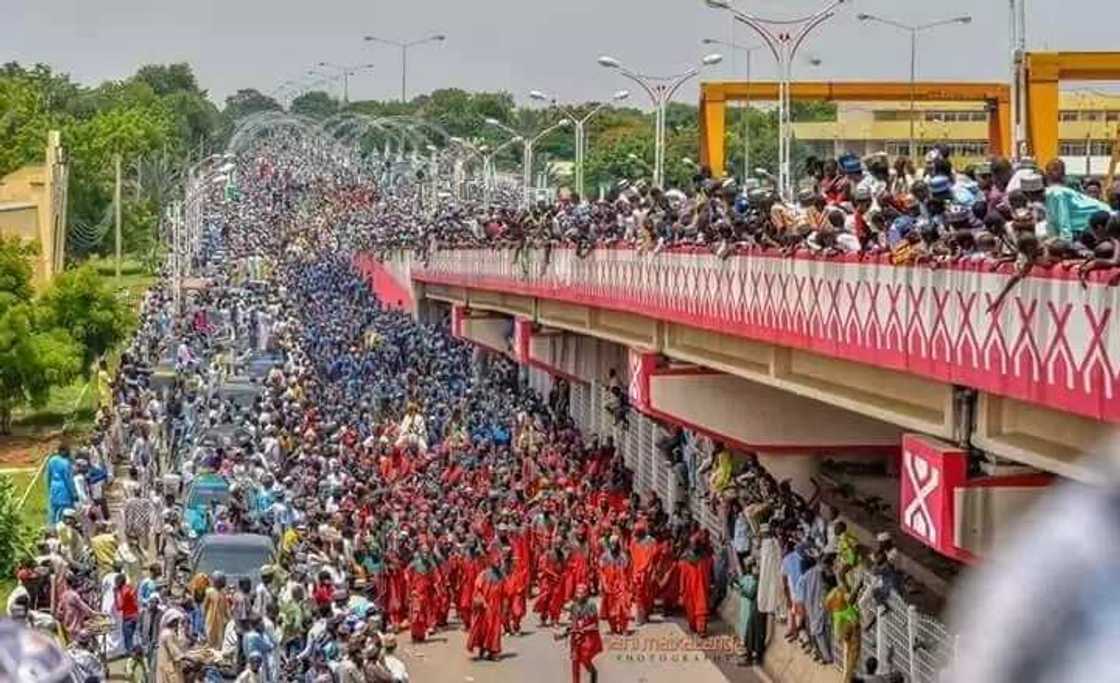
[316, 104]
[33, 356]
[81, 302]
[165, 79]
[249, 101]
[15, 537]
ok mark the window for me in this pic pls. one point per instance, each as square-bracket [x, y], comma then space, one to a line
[1068, 115]
[1112, 115]
[1072, 148]
[1101, 148]
[979, 116]
[897, 148]
[1092, 115]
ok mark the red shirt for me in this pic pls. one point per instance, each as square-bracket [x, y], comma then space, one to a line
[323, 594]
[127, 603]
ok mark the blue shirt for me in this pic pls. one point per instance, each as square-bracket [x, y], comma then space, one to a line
[791, 569]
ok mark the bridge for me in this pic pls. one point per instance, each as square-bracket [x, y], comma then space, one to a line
[796, 358]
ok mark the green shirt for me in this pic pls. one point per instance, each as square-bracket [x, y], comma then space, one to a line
[1068, 211]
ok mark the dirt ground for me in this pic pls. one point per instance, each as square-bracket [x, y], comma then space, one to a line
[26, 450]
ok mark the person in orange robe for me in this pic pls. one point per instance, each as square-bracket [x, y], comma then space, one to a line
[550, 577]
[695, 570]
[441, 592]
[645, 555]
[614, 587]
[486, 619]
[421, 591]
[470, 567]
[584, 641]
[518, 589]
[578, 569]
[667, 574]
[396, 584]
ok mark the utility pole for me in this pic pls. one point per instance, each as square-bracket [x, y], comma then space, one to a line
[117, 211]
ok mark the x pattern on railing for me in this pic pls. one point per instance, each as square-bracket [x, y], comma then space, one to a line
[1051, 342]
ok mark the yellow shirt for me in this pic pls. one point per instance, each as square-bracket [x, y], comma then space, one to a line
[104, 548]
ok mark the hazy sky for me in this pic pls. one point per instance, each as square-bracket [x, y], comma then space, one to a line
[515, 45]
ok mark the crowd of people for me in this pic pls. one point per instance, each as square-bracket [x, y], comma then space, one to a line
[409, 489]
[998, 213]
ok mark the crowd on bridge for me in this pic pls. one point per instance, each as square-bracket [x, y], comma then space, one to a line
[999, 215]
[405, 488]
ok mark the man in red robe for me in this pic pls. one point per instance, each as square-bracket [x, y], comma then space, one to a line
[667, 573]
[584, 640]
[396, 584]
[470, 567]
[550, 577]
[614, 587]
[644, 558]
[518, 581]
[578, 569]
[695, 569]
[486, 619]
[421, 591]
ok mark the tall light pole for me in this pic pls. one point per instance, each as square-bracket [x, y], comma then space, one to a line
[489, 173]
[914, 30]
[527, 150]
[345, 72]
[1018, 17]
[660, 90]
[748, 51]
[784, 37]
[404, 46]
[580, 124]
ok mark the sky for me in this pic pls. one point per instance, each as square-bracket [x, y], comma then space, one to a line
[518, 45]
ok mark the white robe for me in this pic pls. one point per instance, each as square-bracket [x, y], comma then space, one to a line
[114, 639]
[771, 600]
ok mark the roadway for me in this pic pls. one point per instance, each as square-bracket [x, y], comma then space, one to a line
[659, 652]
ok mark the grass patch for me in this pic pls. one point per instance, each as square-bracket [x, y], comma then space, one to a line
[66, 406]
[33, 514]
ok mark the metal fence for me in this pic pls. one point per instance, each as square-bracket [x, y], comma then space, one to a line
[904, 639]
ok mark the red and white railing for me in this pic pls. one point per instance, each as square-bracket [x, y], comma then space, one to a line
[1052, 341]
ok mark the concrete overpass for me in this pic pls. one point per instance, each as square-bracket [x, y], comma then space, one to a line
[763, 351]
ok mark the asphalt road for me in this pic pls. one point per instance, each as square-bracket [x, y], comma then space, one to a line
[657, 653]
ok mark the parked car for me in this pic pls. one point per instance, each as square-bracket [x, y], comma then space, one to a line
[235, 555]
[205, 491]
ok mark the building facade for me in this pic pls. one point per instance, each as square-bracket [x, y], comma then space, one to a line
[1089, 123]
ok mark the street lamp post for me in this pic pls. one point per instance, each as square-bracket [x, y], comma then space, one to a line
[914, 30]
[527, 150]
[660, 90]
[345, 72]
[404, 46]
[580, 124]
[784, 38]
[746, 103]
[489, 173]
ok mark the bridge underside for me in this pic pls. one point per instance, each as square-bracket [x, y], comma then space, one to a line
[1029, 434]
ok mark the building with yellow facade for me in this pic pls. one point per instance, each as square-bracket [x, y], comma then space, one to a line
[33, 208]
[1089, 123]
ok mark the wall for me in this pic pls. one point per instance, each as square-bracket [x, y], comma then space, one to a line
[33, 207]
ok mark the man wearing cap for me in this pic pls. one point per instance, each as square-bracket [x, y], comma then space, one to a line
[171, 650]
[254, 670]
